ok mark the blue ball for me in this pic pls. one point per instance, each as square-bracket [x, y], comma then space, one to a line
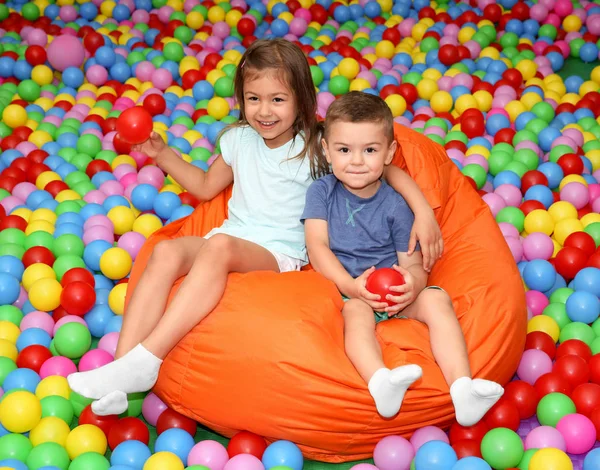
[283, 453]
[559, 283]
[102, 296]
[177, 441]
[342, 14]
[279, 27]
[97, 319]
[471, 463]
[181, 212]
[12, 265]
[14, 463]
[588, 52]
[114, 324]
[32, 336]
[105, 56]
[89, 11]
[132, 454]
[495, 123]
[435, 455]
[93, 252]
[114, 201]
[553, 173]
[165, 203]
[507, 177]
[25, 379]
[373, 9]
[143, 196]
[72, 229]
[547, 136]
[591, 461]
[120, 71]
[203, 90]
[22, 70]
[583, 307]
[9, 289]
[73, 77]
[102, 282]
[588, 279]
[121, 13]
[539, 274]
[540, 193]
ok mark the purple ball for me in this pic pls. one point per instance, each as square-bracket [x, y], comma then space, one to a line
[132, 243]
[543, 437]
[393, 453]
[534, 363]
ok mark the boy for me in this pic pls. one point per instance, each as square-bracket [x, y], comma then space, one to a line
[355, 223]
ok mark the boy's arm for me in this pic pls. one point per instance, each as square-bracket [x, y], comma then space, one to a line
[408, 188]
[415, 277]
[414, 265]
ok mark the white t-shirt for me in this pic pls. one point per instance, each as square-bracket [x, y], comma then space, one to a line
[269, 192]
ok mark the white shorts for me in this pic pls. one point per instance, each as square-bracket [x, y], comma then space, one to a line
[287, 263]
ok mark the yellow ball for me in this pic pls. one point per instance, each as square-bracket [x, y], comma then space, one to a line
[484, 100]
[9, 331]
[426, 88]
[233, 17]
[216, 14]
[527, 67]
[39, 226]
[147, 224]
[116, 298]
[14, 115]
[85, 438]
[539, 220]
[465, 34]
[22, 212]
[53, 385]
[218, 108]
[123, 160]
[115, 263]
[44, 294]
[441, 101]
[42, 75]
[20, 411]
[397, 104]
[561, 210]
[545, 324]
[566, 227]
[50, 429]
[45, 215]
[595, 75]
[107, 7]
[68, 195]
[594, 157]
[385, 49]
[163, 461]
[550, 459]
[35, 272]
[348, 68]
[572, 179]
[465, 102]
[39, 138]
[530, 100]
[515, 109]
[122, 218]
[571, 24]
[8, 349]
[590, 218]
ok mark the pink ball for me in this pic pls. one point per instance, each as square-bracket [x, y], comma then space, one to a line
[538, 12]
[426, 434]
[579, 433]
[563, 8]
[594, 191]
[364, 466]
[128, 179]
[161, 79]
[209, 453]
[511, 194]
[98, 232]
[538, 245]
[140, 16]
[21, 299]
[23, 190]
[298, 26]
[68, 13]
[38, 319]
[152, 408]
[94, 359]
[10, 202]
[66, 51]
[58, 365]
[393, 453]
[144, 71]
[109, 342]
[139, 157]
[112, 188]
[95, 196]
[575, 193]
[515, 246]
[151, 175]
[37, 37]
[99, 220]
[97, 75]
[543, 437]
[68, 319]
[132, 243]
[536, 301]
[593, 23]
[243, 462]
[495, 202]
[123, 170]
[596, 205]
[534, 363]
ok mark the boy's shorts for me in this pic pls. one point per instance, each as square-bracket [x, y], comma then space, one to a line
[382, 316]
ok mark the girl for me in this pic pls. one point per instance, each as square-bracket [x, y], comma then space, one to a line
[273, 153]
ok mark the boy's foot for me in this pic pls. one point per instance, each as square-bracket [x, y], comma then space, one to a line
[114, 403]
[387, 387]
[136, 371]
[473, 398]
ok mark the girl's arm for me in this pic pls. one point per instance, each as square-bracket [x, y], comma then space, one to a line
[425, 229]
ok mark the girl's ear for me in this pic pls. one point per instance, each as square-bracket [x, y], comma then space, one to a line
[325, 150]
[391, 152]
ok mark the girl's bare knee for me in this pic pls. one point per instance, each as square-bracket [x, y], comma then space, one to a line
[166, 255]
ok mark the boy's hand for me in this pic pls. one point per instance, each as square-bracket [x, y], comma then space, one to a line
[407, 294]
[153, 147]
[427, 231]
[372, 300]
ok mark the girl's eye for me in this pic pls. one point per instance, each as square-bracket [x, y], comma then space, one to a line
[371, 150]
[278, 100]
[252, 98]
[343, 150]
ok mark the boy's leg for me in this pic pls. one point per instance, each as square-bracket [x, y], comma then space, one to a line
[472, 398]
[198, 295]
[387, 387]
[170, 259]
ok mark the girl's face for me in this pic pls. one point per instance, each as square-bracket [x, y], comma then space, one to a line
[270, 107]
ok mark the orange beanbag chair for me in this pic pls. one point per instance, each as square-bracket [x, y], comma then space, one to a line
[270, 358]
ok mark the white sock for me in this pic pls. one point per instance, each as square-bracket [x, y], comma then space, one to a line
[473, 398]
[114, 403]
[387, 387]
[136, 371]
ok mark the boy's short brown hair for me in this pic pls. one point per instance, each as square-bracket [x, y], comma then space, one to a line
[357, 107]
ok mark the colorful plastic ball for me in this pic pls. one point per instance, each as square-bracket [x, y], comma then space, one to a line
[592, 460]
[171, 419]
[14, 116]
[471, 463]
[583, 307]
[78, 298]
[523, 396]
[129, 428]
[20, 411]
[245, 442]
[573, 368]
[9, 289]
[545, 436]
[244, 462]
[504, 414]
[130, 454]
[550, 459]
[163, 460]
[539, 275]
[284, 453]
[135, 125]
[579, 433]
[553, 407]
[65, 51]
[209, 453]
[176, 441]
[33, 357]
[50, 429]
[435, 455]
[72, 340]
[48, 455]
[44, 294]
[502, 448]
[115, 263]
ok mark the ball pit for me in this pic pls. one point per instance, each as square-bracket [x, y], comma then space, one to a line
[76, 204]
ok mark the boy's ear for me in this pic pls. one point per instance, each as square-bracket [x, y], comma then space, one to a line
[391, 152]
[325, 150]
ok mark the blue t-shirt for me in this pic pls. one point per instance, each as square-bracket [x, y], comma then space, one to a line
[362, 232]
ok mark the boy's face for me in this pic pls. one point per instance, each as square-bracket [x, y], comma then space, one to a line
[358, 153]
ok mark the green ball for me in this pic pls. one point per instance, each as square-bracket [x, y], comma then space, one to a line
[558, 312]
[591, 145]
[224, 87]
[587, 123]
[429, 44]
[577, 330]
[553, 407]
[90, 461]
[561, 295]
[412, 77]
[184, 121]
[4, 12]
[513, 216]
[107, 155]
[524, 135]
[15, 446]
[548, 30]
[595, 346]
[83, 188]
[173, 51]
[72, 340]
[135, 401]
[202, 467]
[575, 46]
[158, 60]
[184, 34]
[436, 138]
[48, 454]
[536, 125]
[89, 144]
[5, 131]
[81, 161]
[12, 249]
[528, 157]
[39, 238]
[12, 314]
[317, 74]
[3, 193]
[509, 40]
[477, 173]
[6, 367]
[200, 153]
[57, 406]
[52, 349]
[543, 111]
[437, 122]
[12, 235]
[517, 167]
[76, 177]
[594, 231]
[28, 89]
[498, 161]
[68, 244]
[596, 327]
[135, 57]
[65, 262]
[502, 448]
[457, 135]
[524, 464]
[339, 85]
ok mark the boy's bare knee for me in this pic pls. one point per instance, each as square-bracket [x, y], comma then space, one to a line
[432, 303]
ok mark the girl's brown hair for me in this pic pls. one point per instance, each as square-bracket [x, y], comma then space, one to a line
[289, 62]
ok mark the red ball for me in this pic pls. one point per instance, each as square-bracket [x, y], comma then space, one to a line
[573, 368]
[409, 92]
[134, 125]
[520, 11]
[78, 298]
[542, 341]
[472, 127]
[37, 156]
[38, 254]
[16, 173]
[187, 198]
[188, 80]
[78, 275]
[92, 41]
[530, 206]
[318, 12]
[505, 135]
[128, 429]
[22, 132]
[58, 313]
[467, 448]
[523, 396]
[171, 419]
[109, 125]
[586, 398]
[571, 164]
[460, 433]
[594, 365]
[36, 170]
[583, 241]
[55, 187]
[13, 221]
[593, 261]
[533, 178]
[389, 90]
[246, 442]
[35, 55]
[569, 261]
[595, 417]
[33, 357]
[105, 423]
[97, 166]
[21, 163]
[504, 414]
[392, 35]
[121, 146]
[380, 281]
[492, 12]
[575, 347]
[448, 55]
[155, 104]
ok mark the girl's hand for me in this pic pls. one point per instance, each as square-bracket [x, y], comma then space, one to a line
[372, 300]
[427, 231]
[407, 294]
[153, 147]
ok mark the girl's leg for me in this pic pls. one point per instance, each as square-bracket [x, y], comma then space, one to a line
[169, 260]
[387, 387]
[202, 289]
[472, 398]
